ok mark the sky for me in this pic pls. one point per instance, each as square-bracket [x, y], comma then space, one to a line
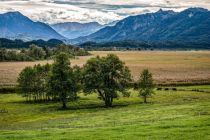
[102, 11]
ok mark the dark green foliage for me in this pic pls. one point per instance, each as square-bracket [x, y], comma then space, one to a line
[106, 75]
[116, 45]
[38, 53]
[166, 88]
[48, 52]
[146, 45]
[159, 88]
[32, 82]
[146, 85]
[64, 80]
[5, 90]
[72, 51]
[56, 82]
[174, 89]
[9, 44]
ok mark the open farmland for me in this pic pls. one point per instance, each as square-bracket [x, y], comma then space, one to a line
[166, 66]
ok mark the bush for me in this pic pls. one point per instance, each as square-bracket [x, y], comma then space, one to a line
[159, 88]
[174, 89]
[166, 89]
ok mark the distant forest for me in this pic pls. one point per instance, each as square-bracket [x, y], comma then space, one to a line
[146, 45]
[7, 43]
[18, 50]
[113, 45]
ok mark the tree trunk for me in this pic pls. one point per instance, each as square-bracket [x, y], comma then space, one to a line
[108, 102]
[145, 99]
[64, 105]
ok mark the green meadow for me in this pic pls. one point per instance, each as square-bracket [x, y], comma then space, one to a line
[174, 115]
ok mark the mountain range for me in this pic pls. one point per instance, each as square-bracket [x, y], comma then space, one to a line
[73, 30]
[192, 24]
[14, 25]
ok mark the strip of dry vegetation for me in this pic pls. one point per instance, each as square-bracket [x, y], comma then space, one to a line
[167, 67]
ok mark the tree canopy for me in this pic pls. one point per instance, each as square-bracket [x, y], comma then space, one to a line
[146, 85]
[64, 80]
[107, 76]
[33, 82]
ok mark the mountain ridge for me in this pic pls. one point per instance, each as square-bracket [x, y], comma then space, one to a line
[14, 25]
[190, 24]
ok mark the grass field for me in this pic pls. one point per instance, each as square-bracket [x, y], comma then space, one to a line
[167, 66]
[173, 115]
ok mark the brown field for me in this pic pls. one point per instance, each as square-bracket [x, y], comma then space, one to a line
[166, 66]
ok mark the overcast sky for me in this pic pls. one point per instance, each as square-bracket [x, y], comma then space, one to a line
[102, 11]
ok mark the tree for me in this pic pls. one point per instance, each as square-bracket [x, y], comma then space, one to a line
[48, 52]
[62, 81]
[106, 75]
[40, 81]
[36, 52]
[25, 82]
[32, 82]
[146, 85]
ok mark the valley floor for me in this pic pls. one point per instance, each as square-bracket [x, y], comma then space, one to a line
[168, 67]
[169, 115]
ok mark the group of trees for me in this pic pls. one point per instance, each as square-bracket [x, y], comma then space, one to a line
[35, 52]
[108, 76]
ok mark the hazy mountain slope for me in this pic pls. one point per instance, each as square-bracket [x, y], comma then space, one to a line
[14, 25]
[73, 30]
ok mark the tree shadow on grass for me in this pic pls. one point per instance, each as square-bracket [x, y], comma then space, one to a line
[73, 106]
[91, 107]
[34, 102]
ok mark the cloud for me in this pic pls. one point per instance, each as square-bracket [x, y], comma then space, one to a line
[102, 11]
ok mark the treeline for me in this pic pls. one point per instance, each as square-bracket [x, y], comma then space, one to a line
[12, 44]
[108, 76]
[146, 45]
[35, 52]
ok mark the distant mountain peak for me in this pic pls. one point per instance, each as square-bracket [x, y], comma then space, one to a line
[14, 25]
[160, 11]
[13, 13]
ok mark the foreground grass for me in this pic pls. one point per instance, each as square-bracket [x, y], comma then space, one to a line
[169, 115]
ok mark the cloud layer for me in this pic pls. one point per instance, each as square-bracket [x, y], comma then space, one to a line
[102, 11]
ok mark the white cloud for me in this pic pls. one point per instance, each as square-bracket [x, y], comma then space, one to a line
[102, 11]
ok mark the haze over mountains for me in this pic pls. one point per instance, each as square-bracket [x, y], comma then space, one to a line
[14, 25]
[73, 30]
[192, 24]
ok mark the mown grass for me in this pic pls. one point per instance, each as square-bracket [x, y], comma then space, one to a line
[169, 115]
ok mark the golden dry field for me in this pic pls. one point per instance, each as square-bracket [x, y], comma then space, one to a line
[166, 66]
